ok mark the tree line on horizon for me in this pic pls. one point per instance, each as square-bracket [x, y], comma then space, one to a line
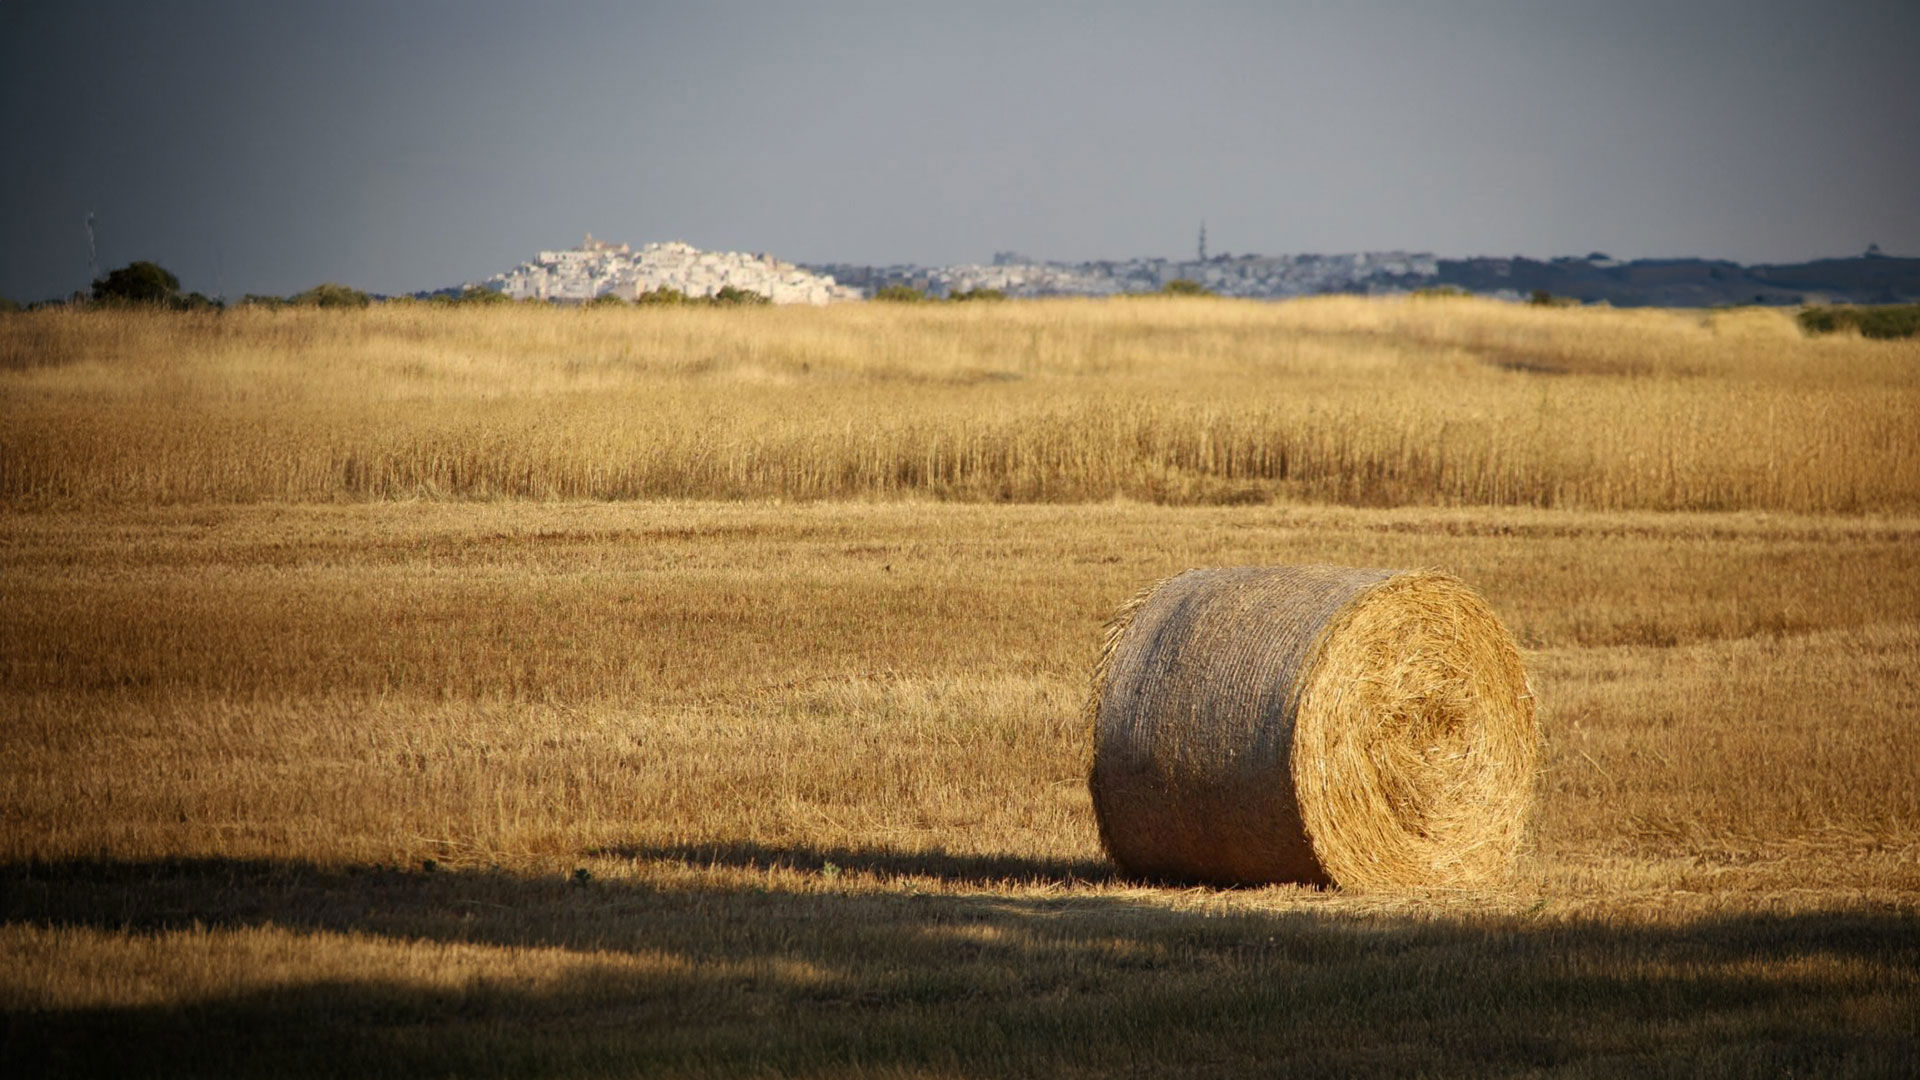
[146, 284]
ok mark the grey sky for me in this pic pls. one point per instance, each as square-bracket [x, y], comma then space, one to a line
[265, 147]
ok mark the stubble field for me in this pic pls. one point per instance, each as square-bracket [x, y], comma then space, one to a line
[698, 693]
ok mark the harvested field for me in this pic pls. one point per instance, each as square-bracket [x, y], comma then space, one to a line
[826, 770]
[299, 781]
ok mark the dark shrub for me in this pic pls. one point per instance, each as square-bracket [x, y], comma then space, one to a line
[473, 294]
[1816, 320]
[1891, 321]
[661, 295]
[1884, 321]
[332, 294]
[728, 296]
[1185, 287]
[138, 283]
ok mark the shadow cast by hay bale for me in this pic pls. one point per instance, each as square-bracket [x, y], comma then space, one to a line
[936, 865]
[743, 980]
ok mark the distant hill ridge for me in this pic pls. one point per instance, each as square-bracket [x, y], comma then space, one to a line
[1868, 279]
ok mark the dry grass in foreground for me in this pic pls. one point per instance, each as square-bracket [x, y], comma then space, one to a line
[1346, 400]
[698, 789]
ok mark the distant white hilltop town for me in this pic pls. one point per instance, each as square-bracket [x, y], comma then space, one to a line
[596, 268]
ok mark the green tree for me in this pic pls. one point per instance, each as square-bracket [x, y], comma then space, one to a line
[607, 299]
[900, 294]
[332, 294]
[728, 296]
[661, 296]
[978, 294]
[139, 282]
[473, 295]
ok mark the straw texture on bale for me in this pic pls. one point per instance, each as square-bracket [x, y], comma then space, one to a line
[1316, 724]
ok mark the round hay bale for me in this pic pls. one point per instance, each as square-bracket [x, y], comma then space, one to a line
[1316, 724]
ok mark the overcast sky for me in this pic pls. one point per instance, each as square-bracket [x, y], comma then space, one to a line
[264, 147]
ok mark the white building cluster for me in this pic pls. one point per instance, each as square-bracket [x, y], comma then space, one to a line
[596, 268]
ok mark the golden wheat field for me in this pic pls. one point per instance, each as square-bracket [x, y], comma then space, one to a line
[555, 692]
[1346, 400]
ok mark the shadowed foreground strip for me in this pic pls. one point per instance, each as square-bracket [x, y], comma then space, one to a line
[298, 969]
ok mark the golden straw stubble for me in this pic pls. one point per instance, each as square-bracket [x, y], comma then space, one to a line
[1316, 724]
